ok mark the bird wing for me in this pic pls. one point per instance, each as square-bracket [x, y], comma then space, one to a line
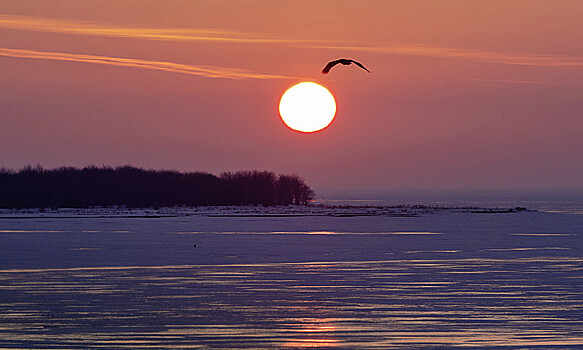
[360, 65]
[329, 66]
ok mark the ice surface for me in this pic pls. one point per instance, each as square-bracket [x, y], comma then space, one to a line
[290, 277]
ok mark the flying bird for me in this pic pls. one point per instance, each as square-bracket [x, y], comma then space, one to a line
[344, 61]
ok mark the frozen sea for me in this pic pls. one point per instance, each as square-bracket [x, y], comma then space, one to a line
[291, 278]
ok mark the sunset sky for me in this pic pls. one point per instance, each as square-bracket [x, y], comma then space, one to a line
[461, 95]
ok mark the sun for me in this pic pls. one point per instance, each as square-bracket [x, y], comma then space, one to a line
[307, 107]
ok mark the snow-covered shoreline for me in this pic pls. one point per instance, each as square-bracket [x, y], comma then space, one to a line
[245, 211]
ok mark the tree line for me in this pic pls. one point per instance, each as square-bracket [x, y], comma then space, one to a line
[68, 187]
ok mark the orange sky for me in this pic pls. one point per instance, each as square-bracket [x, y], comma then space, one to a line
[462, 94]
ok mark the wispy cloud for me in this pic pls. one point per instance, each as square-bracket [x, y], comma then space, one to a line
[234, 37]
[204, 71]
[513, 81]
[487, 56]
[167, 34]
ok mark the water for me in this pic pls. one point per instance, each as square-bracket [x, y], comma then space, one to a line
[440, 280]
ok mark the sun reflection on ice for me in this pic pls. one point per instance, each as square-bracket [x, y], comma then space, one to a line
[314, 333]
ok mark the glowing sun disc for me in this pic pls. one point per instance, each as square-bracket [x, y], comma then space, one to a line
[307, 107]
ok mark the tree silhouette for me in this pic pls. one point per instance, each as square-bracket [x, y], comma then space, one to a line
[35, 187]
[291, 189]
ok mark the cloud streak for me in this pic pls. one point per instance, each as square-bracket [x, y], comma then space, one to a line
[513, 81]
[233, 37]
[165, 34]
[203, 71]
[486, 56]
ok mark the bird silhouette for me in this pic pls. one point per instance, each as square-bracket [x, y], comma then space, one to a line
[344, 61]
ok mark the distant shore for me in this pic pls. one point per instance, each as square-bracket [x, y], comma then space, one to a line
[247, 211]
